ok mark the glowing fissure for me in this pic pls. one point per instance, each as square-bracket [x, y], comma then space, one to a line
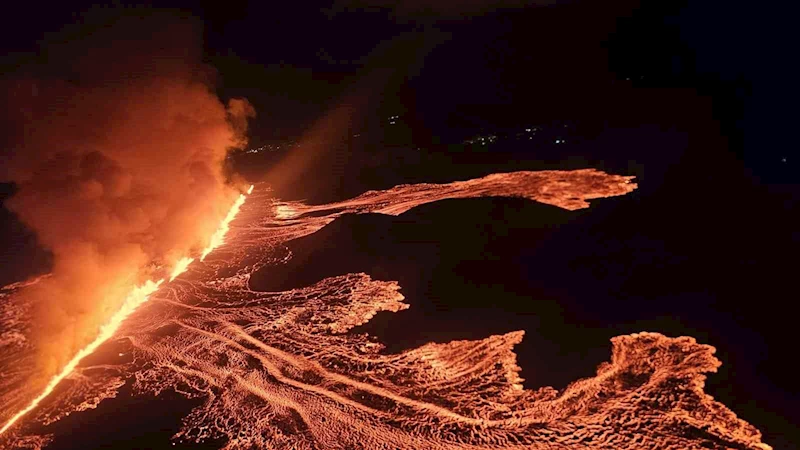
[138, 296]
[218, 238]
[181, 267]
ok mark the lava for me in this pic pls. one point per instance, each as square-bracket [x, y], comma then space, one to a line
[181, 267]
[138, 296]
[218, 238]
[285, 370]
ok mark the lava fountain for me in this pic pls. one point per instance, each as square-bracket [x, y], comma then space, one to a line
[218, 238]
[138, 296]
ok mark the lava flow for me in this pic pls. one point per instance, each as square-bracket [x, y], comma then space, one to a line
[287, 369]
[136, 298]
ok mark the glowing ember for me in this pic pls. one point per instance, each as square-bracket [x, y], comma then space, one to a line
[219, 236]
[136, 298]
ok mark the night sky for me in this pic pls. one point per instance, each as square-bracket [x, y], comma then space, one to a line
[697, 99]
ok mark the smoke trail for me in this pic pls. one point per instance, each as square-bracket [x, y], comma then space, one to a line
[118, 144]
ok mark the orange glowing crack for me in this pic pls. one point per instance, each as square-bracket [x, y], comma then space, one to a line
[218, 238]
[138, 296]
[181, 267]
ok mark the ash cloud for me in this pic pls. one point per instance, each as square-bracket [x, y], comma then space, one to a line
[117, 142]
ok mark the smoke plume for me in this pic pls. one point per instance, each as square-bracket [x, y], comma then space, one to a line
[118, 143]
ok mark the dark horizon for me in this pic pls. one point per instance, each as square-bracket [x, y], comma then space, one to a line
[462, 69]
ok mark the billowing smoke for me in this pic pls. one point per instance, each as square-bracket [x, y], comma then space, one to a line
[118, 145]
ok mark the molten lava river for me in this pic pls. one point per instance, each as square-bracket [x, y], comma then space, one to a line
[283, 370]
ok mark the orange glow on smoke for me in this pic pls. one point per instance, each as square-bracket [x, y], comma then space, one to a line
[138, 296]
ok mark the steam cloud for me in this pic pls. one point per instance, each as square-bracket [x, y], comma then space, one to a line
[118, 148]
